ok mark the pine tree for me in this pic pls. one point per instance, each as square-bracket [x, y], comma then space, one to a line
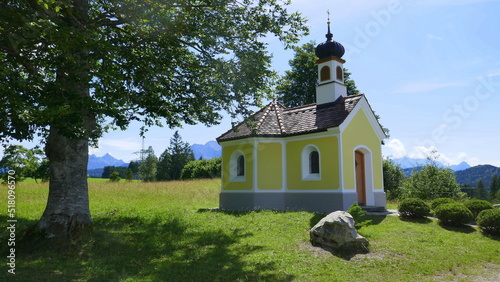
[174, 158]
[164, 164]
[180, 154]
[480, 192]
[148, 167]
[494, 186]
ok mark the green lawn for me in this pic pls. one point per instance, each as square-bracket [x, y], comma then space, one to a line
[165, 232]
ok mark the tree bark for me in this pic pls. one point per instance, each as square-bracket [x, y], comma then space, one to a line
[67, 213]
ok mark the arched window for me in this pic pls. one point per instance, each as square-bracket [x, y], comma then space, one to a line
[237, 169]
[325, 73]
[240, 166]
[311, 163]
[314, 162]
[340, 75]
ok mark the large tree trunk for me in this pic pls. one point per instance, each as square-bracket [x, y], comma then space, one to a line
[67, 213]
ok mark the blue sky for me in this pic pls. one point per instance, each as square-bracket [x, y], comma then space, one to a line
[429, 68]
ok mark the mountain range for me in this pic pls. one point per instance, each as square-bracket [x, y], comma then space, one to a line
[106, 160]
[466, 175]
[209, 150]
[408, 163]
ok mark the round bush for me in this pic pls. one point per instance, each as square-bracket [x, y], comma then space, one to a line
[453, 214]
[489, 221]
[439, 201]
[413, 208]
[477, 206]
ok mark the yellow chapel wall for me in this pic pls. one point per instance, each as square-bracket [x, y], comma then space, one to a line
[227, 151]
[329, 164]
[269, 166]
[359, 132]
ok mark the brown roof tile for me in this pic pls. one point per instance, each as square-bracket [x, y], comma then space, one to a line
[275, 120]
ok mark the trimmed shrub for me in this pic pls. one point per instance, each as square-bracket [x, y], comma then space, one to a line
[413, 208]
[489, 221]
[202, 169]
[453, 214]
[356, 212]
[439, 201]
[477, 206]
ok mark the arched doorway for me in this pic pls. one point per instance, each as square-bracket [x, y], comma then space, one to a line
[360, 177]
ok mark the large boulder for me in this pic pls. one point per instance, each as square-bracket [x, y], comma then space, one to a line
[336, 232]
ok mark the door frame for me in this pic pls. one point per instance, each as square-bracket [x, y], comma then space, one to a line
[368, 175]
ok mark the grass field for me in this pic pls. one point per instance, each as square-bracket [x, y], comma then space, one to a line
[166, 232]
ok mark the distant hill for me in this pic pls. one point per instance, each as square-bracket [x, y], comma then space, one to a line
[106, 160]
[471, 176]
[209, 150]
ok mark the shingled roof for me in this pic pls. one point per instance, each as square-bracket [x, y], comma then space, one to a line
[276, 120]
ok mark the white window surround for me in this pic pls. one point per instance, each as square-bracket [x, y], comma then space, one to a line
[233, 167]
[305, 155]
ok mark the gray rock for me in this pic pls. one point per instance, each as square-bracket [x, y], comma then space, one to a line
[336, 231]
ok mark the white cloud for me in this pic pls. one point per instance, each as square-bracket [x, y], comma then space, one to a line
[395, 148]
[425, 86]
[421, 152]
[493, 73]
[432, 36]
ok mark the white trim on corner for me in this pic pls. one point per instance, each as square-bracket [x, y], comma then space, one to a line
[341, 162]
[284, 167]
[255, 162]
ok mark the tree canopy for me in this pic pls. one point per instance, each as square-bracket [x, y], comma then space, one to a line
[68, 67]
[153, 61]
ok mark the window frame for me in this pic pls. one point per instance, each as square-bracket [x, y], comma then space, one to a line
[339, 73]
[234, 167]
[325, 74]
[307, 174]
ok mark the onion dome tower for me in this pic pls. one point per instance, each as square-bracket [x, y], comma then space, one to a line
[330, 70]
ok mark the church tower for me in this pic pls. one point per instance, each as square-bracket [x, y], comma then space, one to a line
[330, 70]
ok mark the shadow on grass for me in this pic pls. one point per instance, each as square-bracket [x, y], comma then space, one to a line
[158, 249]
[422, 220]
[315, 219]
[238, 213]
[458, 228]
[492, 237]
[366, 220]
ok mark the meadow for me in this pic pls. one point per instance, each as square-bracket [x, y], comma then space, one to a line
[169, 231]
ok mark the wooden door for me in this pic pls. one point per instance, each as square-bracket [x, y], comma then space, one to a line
[360, 178]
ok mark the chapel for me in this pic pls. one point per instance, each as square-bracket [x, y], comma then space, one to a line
[320, 157]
